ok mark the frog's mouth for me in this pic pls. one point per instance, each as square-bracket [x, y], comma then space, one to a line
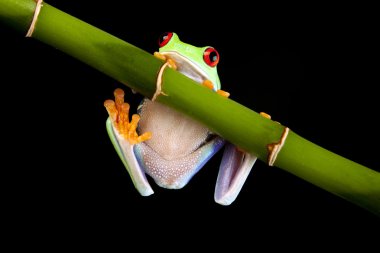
[187, 67]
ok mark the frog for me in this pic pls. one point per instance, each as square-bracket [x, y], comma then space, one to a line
[168, 146]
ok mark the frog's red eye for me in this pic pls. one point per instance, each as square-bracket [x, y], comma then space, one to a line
[211, 57]
[165, 38]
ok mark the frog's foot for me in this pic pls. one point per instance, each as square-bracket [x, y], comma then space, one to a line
[118, 111]
[223, 93]
[170, 61]
[123, 136]
[209, 84]
[265, 115]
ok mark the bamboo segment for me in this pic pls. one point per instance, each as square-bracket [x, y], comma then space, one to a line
[17, 14]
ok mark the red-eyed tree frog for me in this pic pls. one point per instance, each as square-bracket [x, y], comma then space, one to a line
[173, 147]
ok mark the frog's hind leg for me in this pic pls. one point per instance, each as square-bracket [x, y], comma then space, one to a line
[233, 172]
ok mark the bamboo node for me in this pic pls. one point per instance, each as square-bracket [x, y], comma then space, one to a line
[35, 17]
[275, 148]
[159, 82]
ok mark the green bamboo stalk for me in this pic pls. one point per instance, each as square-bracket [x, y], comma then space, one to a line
[245, 128]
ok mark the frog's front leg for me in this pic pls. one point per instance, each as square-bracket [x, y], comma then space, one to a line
[210, 85]
[171, 62]
[123, 135]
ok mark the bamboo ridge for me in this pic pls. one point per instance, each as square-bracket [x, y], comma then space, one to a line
[236, 123]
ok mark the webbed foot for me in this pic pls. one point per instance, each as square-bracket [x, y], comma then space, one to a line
[118, 111]
[265, 115]
[209, 84]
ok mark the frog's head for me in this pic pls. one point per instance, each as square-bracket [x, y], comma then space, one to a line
[197, 63]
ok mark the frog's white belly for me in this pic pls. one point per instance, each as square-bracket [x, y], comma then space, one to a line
[179, 146]
[174, 135]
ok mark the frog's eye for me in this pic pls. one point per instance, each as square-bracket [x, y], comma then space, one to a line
[211, 57]
[165, 38]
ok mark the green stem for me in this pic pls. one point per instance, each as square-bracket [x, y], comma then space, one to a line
[245, 128]
[331, 172]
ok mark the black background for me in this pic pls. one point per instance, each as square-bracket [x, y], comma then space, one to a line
[318, 80]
